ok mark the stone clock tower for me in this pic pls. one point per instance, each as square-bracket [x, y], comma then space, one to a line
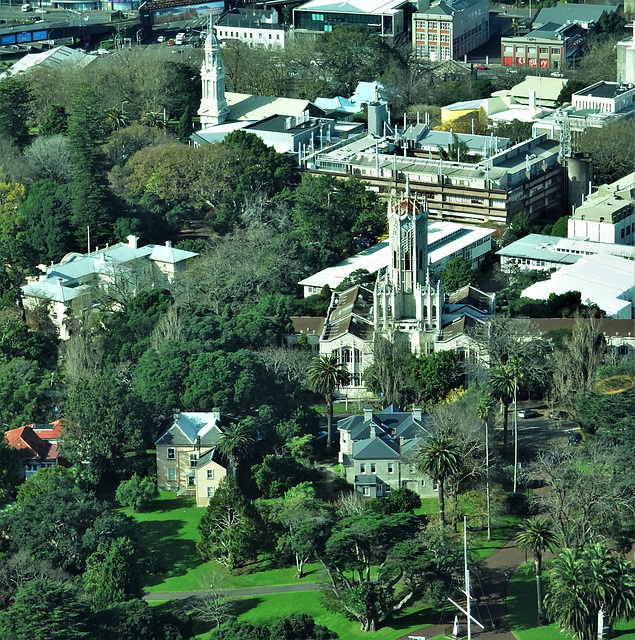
[408, 299]
[213, 109]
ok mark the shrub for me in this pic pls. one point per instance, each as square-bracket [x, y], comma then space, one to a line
[137, 492]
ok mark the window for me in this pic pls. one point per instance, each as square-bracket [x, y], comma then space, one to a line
[31, 466]
[388, 489]
[171, 453]
[210, 492]
[373, 467]
[190, 481]
[622, 350]
[193, 459]
[171, 474]
[210, 474]
[366, 491]
[391, 467]
[362, 468]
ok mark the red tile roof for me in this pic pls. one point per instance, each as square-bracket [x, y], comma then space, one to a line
[48, 431]
[29, 445]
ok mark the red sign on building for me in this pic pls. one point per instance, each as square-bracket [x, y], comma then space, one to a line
[544, 64]
[520, 61]
[533, 62]
[508, 62]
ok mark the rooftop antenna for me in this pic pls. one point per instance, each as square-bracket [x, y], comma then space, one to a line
[407, 185]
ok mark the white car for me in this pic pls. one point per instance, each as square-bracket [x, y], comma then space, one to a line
[557, 74]
[161, 39]
[41, 11]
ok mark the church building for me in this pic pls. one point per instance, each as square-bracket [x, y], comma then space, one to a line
[408, 301]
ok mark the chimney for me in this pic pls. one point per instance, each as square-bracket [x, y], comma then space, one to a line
[416, 413]
[368, 413]
[215, 415]
[168, 243]
[176, 415]
[102, 257]
[59, 282]
[373, 430]
[532, 99]
[132, 241]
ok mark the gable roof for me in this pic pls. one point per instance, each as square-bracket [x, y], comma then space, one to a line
[397, 434]
[211, 455]
[185, 428]
[29, 445]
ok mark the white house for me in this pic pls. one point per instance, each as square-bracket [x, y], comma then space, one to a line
[111, 273]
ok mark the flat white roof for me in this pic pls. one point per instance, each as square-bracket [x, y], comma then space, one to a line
[444, 238]
[601, 279]
[562, 250]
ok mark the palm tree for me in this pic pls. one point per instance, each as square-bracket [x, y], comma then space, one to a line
[236, 443]
[537, 536]
[439, 458]
[484, 410]
[153, 119]
[504, 381]
[325, 375]
[583, 584]
[116, 118]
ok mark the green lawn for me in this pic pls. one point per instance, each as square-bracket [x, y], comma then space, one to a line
[521, 610]
[268, 608]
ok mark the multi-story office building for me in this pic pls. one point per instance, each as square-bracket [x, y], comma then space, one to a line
[384, 17]
[547, 47]
[449, 28]
[527, 177]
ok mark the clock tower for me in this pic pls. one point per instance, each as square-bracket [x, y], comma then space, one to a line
[408, 297]
[213, 109]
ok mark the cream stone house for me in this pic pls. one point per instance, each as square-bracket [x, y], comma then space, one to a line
[103, 278]
[188, 461]
[378, 451]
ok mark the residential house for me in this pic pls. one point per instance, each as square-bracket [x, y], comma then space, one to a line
[103, 277]
[188, 461]
[254, 27]
[378, 451]
[36, 452]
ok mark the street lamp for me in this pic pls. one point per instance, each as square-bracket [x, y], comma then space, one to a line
[122, 104]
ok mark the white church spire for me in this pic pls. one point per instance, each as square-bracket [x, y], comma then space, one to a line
[213, 109]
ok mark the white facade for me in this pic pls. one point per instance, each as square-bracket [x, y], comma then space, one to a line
[608, 214]
[607, 97]
[213, 109]
[255, 36]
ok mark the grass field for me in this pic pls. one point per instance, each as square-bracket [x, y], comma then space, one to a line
[521, 611]
[265, 609]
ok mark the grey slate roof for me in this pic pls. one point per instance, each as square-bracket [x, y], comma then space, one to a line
[366, 479]
[185, 428]
[397, 434]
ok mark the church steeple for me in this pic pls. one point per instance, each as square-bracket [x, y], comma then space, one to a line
[213, 109]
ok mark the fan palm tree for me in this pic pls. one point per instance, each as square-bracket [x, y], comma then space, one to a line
[325, 375]
[236, 443]
[537, 536]
[153, 119]
[439, 458]
[484, 410]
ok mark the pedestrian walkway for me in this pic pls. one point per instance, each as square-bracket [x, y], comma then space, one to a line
[235, 593]
[489, 605]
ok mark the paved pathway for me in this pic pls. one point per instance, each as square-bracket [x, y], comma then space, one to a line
[489, 604]
[233, 593]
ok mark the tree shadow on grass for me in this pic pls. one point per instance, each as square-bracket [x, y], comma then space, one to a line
[242, 605]
[421, 618]
[623, 632]
[173, 555]
[170, 504]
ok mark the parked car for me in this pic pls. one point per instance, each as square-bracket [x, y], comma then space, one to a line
[480, 66]
[170, 43]
[161, 39]
[557, 415]
[41, 10]
[557, 74]
[575, 439]
[528, 413]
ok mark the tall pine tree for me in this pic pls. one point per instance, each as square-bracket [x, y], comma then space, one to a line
[89, 197]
